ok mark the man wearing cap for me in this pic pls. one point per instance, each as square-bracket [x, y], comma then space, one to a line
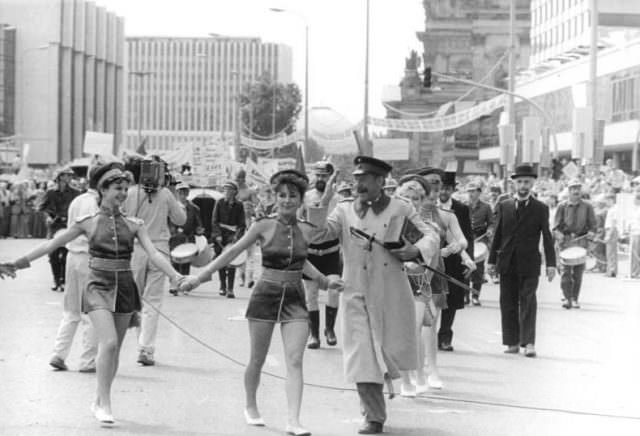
[390, 186]
[186, 232]
[482, 228]
[227, 226]
[514, 253]
[454, 265]
[344, 191]
[157, 207]
[55, 205]
[325, 256]
[575, 223]
[378, 311]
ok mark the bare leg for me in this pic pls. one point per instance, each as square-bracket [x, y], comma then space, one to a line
[104, 325]
[430, 336]
[260, 337]
[294, 338]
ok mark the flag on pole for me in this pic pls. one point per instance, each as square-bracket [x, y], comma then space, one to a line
[300, 160]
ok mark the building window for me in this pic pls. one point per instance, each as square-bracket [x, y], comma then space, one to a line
[625, 98]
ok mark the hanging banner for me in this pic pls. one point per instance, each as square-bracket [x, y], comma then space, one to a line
[255, 176]
[391, 149]
[446, 122]
[211, 164]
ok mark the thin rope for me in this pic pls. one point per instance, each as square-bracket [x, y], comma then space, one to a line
[431, 397]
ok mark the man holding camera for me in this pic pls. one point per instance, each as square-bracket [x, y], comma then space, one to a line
[150, 200]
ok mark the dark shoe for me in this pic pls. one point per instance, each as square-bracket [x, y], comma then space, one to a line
[61, 287]
[314, 343]
[445, 347]
[58, 363]
[54, 288]
[370, 427]
[314, 329]
[567, 305]
[146, 359]
[250, 284]
[512, 349]
[475, 301]
[330, 314]
[223, 292]
[87, 369]
[173, 292]
[230, 294]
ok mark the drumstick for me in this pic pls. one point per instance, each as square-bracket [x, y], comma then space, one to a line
[480, 237]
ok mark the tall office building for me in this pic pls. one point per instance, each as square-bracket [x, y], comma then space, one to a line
[184, 90]
[69, 71]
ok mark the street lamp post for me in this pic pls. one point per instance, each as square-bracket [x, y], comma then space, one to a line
[140, 75]
[306, 74]
[368, 150]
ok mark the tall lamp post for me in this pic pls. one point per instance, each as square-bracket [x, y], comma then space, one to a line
[368, 150]
[140, 75]
[306, 73]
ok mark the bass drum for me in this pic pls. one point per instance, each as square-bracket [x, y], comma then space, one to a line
[204, 254]
[573, 256]
[480, 252]
[184, 253]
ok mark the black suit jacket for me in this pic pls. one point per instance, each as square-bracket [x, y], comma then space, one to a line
[453, 264]
[521, 238]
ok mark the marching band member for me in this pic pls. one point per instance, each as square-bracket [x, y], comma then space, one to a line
[278, 297]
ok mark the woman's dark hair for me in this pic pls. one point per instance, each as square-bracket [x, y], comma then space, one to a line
[290, 177]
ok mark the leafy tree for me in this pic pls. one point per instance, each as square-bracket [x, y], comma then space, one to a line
[263, 99]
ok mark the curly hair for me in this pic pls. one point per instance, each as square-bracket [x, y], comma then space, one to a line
[290, 177]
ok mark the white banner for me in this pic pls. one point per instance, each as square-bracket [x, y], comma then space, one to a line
[211, 164]
[98, 143]
[446, 122]
[389, 149]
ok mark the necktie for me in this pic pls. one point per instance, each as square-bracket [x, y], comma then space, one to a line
[520, 205]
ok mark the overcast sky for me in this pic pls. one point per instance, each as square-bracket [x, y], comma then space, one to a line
[336, 38]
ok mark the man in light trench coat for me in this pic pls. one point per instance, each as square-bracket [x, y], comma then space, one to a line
[379, 314]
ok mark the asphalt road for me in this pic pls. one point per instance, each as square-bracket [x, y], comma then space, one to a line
[585, 380]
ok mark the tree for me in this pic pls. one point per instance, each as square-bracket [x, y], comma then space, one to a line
[269, 107]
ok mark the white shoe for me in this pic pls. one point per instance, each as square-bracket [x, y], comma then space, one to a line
[434, 382]
[258, 422]
[422, 389]
[297, 431]
[102, 416]
[407, 391]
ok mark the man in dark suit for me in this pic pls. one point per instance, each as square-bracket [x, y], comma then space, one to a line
[453, 264]
[515, 254]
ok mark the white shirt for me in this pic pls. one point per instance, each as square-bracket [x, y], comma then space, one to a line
[83, 205]
[446, 205]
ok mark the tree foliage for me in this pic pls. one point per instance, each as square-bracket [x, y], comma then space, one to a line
[269, 107]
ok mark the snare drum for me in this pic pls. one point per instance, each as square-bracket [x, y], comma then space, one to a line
[204, 254]
[239, 260]
[480, 252]
[573, 256]
[184, 253]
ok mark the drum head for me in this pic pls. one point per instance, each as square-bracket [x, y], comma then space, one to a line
[183, 253]
[201, 243]
[239, 260]
[573, 256]
[480, 251]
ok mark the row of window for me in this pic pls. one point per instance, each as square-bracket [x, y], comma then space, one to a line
[547, 9]
[567, 30]
[625, 97]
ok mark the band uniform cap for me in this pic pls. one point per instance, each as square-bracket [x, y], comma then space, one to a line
[371, 165]
[574, 182]
[231, 184]
[473, 187]
[344, 186]
[429, 170]
[390, 183]
[323, 167]
[182, 185]
[295, 177]
[108, 172]
[417, 178]
[449, 178]
[524, 171]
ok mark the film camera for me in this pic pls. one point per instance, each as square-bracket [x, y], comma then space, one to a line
[154, 174]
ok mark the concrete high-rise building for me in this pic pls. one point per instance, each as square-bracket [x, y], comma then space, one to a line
[184, 90]
[69, 75]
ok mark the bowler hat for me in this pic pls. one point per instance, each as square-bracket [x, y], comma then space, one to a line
[524, 171]
[429, 170]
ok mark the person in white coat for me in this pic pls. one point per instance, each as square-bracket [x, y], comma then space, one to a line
[379, 315]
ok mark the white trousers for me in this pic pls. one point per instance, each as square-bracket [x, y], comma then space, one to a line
[77, 275]
[152, 285]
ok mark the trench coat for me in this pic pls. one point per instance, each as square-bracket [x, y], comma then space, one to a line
[379, 313]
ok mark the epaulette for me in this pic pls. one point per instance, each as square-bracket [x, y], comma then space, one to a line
[85, 217]
[303, 221]
[264, 217]
[133, 219]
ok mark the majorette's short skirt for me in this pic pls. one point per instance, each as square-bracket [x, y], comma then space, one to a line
[278, 297]
[114, 291]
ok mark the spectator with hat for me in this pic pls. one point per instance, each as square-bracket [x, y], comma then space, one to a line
[344, 191]
[325, 256]
[575, 224]
[457, 266]
[521, 221]
[390, 186]
[482, 228]
[227, 226]
[56, 205]
[379, 316]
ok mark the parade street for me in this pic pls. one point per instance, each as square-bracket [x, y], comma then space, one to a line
[584, 381]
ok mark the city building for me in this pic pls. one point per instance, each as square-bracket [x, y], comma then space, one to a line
[558, 75]
[184, 90]
[8, 148]
[69, 71]
[466, 39]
